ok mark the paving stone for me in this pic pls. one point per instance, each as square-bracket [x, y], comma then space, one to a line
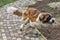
[2, 30]
[1, 23]
[14, 38]
[18, 38]
[0, 15]
[1, 39]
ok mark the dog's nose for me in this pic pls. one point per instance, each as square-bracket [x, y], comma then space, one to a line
[52, 21]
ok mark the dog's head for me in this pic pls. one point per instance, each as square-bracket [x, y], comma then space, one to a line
[46, 18]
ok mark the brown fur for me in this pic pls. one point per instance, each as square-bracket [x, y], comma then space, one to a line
[17, 12]
[30, 13]
[44, 15]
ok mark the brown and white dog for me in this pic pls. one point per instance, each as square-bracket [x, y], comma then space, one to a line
[32, 15]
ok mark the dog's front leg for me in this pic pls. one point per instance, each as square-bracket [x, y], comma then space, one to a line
[23, 24]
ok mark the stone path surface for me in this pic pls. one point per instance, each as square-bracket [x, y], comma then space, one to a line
[9, 23]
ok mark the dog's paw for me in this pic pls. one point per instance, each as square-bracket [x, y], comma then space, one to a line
[21, 30]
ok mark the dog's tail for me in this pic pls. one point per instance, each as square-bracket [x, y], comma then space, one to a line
[14, 11]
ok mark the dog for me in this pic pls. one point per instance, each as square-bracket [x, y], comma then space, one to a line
[32, 15]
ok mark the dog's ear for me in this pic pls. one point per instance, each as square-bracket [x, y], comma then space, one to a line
[18, 13]
[43, 16]
[46, 17]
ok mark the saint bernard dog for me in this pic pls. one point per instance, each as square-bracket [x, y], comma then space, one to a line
[32, 15]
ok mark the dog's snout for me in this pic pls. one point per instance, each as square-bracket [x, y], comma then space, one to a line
[52, 20]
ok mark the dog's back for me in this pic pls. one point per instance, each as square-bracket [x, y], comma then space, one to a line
[30, 13]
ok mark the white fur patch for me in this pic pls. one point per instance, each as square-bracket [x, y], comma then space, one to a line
[52, 19]
[23, 24]
[33, 24]
[38, 17]
[11, 9]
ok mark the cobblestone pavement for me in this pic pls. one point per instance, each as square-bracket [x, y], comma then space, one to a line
[9, 23]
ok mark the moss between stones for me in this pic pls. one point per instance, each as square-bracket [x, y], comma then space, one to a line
[4, 2]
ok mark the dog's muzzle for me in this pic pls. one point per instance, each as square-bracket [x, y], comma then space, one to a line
[52, 20]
